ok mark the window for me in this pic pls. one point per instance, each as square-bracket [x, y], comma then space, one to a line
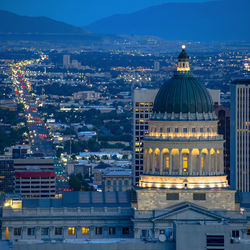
[167, 161]
[215, 240]
[202, 161]
[58, 231]
[17, 231]
[120, 185]
[185, 130]
[201, 130]
[208, 130]
[85, 230]
[31, 231]
[176, 130]
[173, 196]
[185, 162]
[199, 196]
[144, 233]
[193, 130]
[248, 231]
[111, 230]
[126, 182]
[125, 230]
[235, 233]
[108, 182]
[168, 130]
[71, 231]
[44, 231]
[98, 230]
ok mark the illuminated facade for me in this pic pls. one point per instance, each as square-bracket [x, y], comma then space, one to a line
[240, 135]
[183, 150]
[142, 109]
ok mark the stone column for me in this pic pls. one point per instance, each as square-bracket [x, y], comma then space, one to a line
[153, 162]
[209, 162]
[180, 162]
[170, 161]
[190, 162]
[161, 162]
[200, 160]
[221, 161]
[146, 160]
[216, 161]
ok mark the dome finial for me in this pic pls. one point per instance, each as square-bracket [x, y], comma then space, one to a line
[183, 46]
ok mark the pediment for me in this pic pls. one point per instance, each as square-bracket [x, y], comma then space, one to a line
[189, 212]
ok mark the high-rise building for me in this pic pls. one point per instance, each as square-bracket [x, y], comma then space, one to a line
[156, 65]
[142, 109]
[223, 115]
[66, 61]
[6, 175]
[240, 135]
[35, 177]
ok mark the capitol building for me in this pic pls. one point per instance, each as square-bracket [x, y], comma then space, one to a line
[183, 152]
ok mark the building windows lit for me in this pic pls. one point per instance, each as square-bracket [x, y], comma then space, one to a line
[98, 230]
[167, 161]
[111, 230]
[185, 162]
[71, 231]
[185, 130]
[193, 130]
[85, 230]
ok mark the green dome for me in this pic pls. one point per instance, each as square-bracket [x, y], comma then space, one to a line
[183, 94]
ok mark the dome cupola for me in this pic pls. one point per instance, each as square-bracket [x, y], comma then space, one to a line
[183, 97]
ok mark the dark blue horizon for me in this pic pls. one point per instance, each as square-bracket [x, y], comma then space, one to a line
[80, 12]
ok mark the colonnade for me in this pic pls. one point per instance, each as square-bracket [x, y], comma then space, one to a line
[185, 161]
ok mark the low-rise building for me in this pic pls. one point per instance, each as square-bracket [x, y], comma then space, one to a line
[117, 180]
[35, 177]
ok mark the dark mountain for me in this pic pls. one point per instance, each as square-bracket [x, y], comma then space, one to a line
[12, 23]
[210, 21]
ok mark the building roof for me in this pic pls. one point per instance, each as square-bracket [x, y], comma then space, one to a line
[83, 199]
[183, 93]
[241, 81]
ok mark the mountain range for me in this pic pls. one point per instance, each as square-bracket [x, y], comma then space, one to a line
[208, 21]
[16, 24]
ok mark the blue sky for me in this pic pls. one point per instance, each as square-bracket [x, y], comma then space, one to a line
[79, 12]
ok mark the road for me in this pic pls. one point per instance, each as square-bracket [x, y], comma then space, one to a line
[38, 134]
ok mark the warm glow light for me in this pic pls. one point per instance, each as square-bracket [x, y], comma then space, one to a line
[6, 204]
[183, 46]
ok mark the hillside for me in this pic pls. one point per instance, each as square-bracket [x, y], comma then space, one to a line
[210, 21]
[12, 23]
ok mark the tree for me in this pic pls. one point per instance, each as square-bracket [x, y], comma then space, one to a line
[74, 182]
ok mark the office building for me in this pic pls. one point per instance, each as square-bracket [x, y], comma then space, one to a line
[142, 108]
[6, 175]
[66, 61]
[35, 177]
[156, 66]
[240, 135]
[223, 115]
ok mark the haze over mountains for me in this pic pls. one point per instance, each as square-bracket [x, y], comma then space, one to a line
[225, 20]
[210, 21]
[12, 23]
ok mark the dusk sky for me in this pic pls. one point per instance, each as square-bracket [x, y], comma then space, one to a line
[79, 12]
